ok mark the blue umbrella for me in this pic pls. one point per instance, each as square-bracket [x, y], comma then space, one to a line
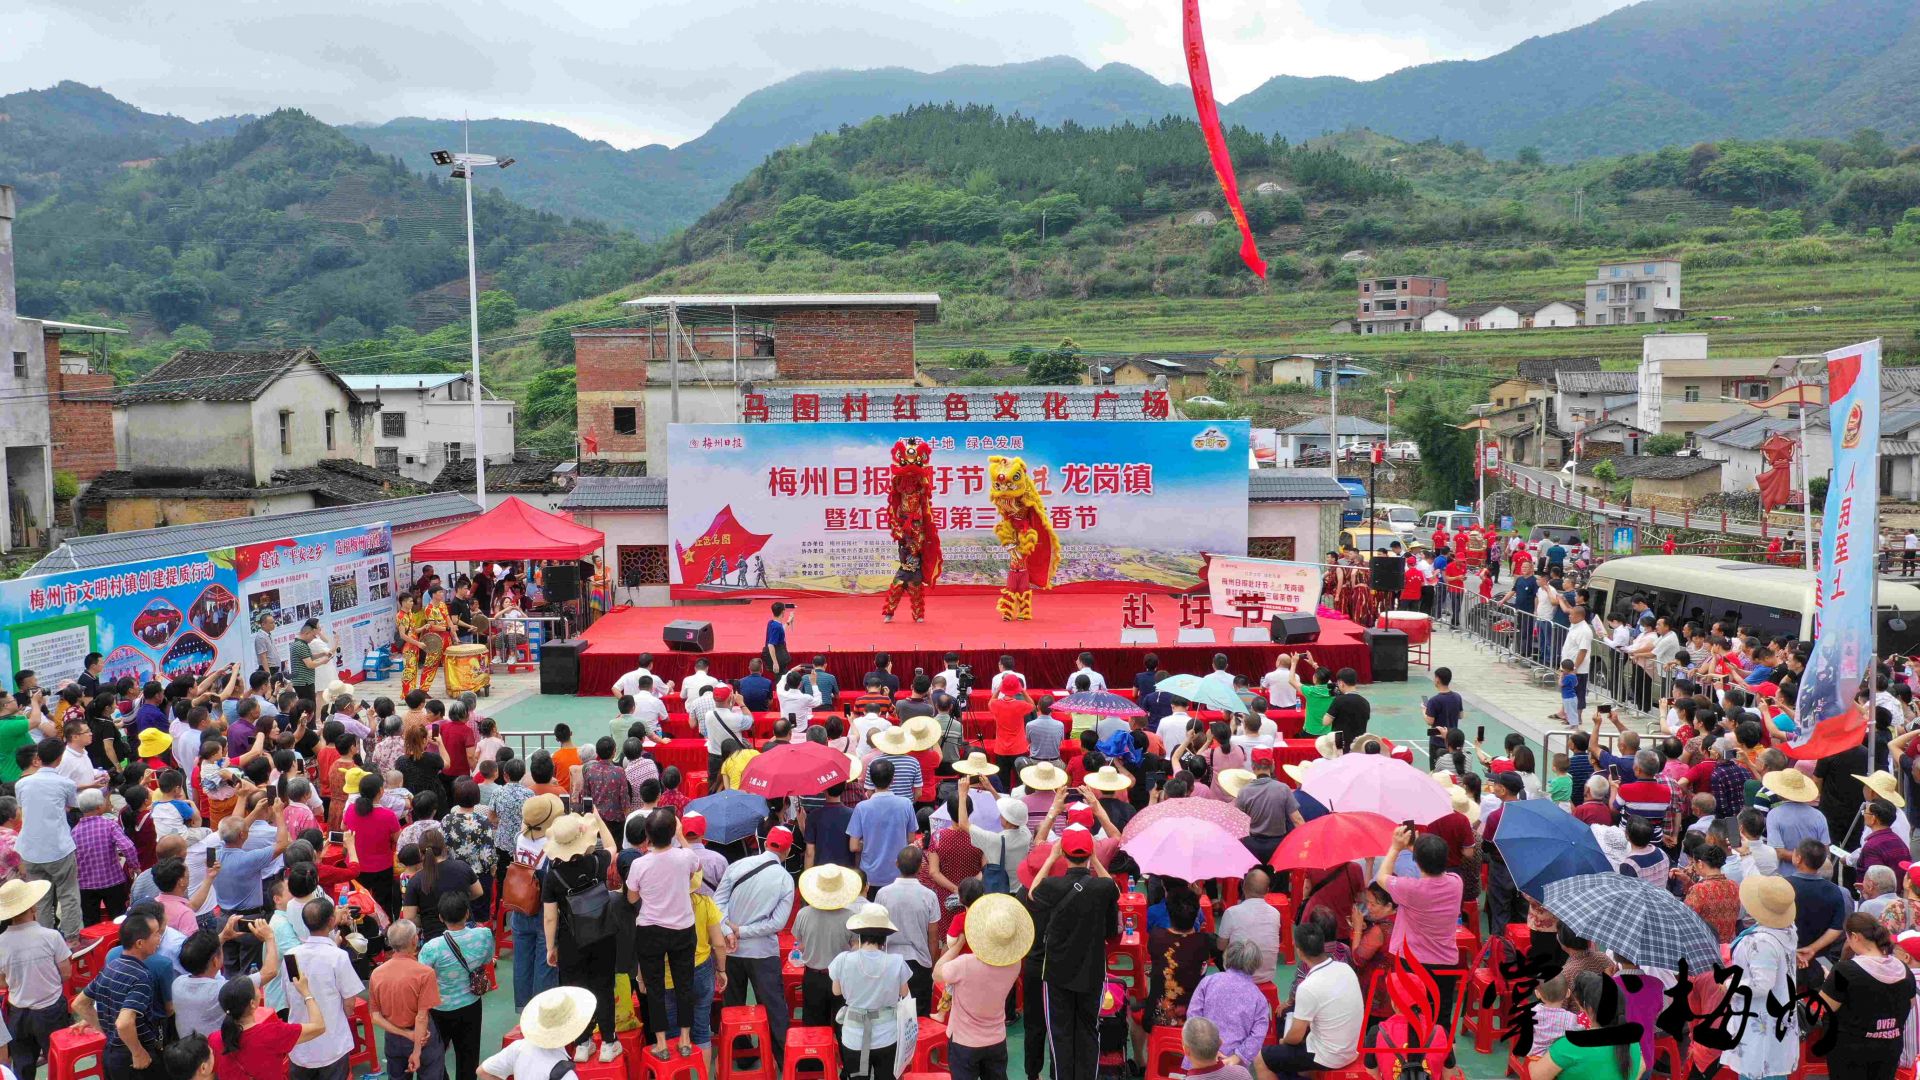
[1542, 843]
[731, 815]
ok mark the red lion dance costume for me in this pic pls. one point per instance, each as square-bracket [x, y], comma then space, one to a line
[1033, 551]
[910, 520]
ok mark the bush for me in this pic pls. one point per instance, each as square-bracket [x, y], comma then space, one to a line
[1665, 444]
[1808, 252]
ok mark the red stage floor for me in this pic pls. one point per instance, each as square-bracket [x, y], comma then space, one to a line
[849, 631]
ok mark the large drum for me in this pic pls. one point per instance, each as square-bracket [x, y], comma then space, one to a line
[467, 669]
[1417, 626]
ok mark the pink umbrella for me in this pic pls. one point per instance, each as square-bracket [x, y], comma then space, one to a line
[1189, 850]
[1378, 784]
[1226, 816]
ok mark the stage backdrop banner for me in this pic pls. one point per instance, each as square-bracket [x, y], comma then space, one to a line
[344, 578]
[802, 508]
[181, 615]
[1283, 587]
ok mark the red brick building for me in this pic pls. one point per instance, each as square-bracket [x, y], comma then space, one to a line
[628, 390]
[1393, 305]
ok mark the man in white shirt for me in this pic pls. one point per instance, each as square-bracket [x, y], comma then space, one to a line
[1322, 1032]
[691, 686]
[1220, 674]
[1254, 920]
[1281, 686]
[1578, 647]
[718, 721]
[1006, 668]
[1173, 727]
[75, 765]
[649, 709]
[797, 703]
[45, 845]
[865, 726]
[630, 682]
[1083, 665]
[329, 973]
[948, 678]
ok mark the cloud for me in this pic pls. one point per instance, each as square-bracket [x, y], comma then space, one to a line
[663, 72]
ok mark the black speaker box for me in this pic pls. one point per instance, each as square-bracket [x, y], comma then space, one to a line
[688, 635]
[1389, 573]
[1301, 629]
[562, 582]
[1389, 651]
[560, 666]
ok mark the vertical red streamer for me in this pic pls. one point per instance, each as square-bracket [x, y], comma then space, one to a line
[1209, 116]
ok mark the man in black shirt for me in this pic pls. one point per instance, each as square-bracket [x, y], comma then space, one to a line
[883, 667]
[1443, 711]
[1349, 712]
[1074, 915]
[917, 705]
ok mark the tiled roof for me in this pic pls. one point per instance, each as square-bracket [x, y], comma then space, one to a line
[532, 476]
[344, 481]
[1349, 425]
[1589, 381]
[617, 493]
[1647, 467]
[1293, 485]
[926, 305]
[1544, 371]
[1750, 435]
[112, 549]
[999, 373]
[192, 375]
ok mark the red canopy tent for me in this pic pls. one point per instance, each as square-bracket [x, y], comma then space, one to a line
[512, 530]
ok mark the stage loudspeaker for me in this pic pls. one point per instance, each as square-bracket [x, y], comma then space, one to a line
[1389, 651]
[1301, 629]
[1389, 574]
[688, 635]
[562, 582]
[560, 666]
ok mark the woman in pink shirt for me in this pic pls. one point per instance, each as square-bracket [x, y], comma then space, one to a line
[664, 934]
[1429, 907]
[374, 827]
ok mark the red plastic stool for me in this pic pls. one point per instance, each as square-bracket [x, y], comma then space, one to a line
[813, 1053]
[1517, 1066]
[791, 972]
[73, 1054]
[744, 1024]
[1668, 1047]
[1133, 913]
[366, 1049]
[1164, 1053]
[678, 1067]
[1283, 904]
[512, 1036]
[930, 1047]
[1132, 950]
[1272, 994]
[1206, 912]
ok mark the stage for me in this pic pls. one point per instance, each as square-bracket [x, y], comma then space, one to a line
[848, 631]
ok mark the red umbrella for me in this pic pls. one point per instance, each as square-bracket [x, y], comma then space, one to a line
[807, 768]
[1332, 839]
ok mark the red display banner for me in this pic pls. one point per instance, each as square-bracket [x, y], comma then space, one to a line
[1208, 113]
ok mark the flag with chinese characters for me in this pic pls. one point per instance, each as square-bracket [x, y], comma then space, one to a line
[1843, 651]
[722, 549]
[1207, 111]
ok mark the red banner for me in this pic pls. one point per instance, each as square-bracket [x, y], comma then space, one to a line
[1208, 114]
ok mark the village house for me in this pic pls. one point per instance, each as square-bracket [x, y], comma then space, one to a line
[1668, 482]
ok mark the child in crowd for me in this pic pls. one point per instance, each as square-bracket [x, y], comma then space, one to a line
[395, 796]
[1552, 1017]
[1569, 695]
[1560, 787]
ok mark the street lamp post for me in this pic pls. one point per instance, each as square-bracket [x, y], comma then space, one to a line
[464, 164]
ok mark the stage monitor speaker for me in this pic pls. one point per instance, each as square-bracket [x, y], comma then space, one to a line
[688, 635]
[1301, 629]
[560, 666]
[1389, 574]
[562, 582]
[1389, 652]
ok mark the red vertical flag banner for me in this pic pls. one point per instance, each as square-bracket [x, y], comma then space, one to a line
[1208, 114]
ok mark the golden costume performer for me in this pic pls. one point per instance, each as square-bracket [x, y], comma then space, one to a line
[424, 636]
[910, 521]
[1032, 548]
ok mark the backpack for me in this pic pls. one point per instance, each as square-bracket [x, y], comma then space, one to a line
[477, 982]
[994, 876]
[953, 737]
[592, 916]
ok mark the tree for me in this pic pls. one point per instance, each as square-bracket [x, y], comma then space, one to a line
[1055, 367]
[549, 398]
[1907, 233]
[1528, 156]
[1605, 472]
[498, 311]
[1665, 444]
[972, 359]
[556, 341]
[1446, 453]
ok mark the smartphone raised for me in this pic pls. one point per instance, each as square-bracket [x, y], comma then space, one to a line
[586, 805]
[293, 965]
[1480, 734]
[212, 857]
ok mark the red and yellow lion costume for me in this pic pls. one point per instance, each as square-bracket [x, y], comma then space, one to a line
[1033, 551]
[910, 521]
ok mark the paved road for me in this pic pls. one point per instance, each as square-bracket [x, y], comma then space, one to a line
[1554, 487]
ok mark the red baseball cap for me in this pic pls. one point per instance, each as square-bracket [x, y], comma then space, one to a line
[694, 823]
[1076, 840]
[1082, 815]
[779, 837]
[1008, 685]
[721, 692]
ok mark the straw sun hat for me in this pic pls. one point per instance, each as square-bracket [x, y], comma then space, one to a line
[893, 741]
[1232, 781]
[1044, 776]
[538, 813]
[556, 1017]
[923, 733]
[1109, 778]
[1791, 785]
[873, 917]
[830, 888]
[17, 896]
[975, 764]
[999, 930]
[1883, 785]
[1768, 899]
[572, 835]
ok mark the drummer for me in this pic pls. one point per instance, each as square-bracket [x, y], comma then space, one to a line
[470, 625]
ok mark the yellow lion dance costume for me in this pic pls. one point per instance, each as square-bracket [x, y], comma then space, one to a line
[1033, 551]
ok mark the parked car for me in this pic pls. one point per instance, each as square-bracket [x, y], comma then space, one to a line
[1452, 519]
[1403, 451]
[1375, 538]
[1399, 517]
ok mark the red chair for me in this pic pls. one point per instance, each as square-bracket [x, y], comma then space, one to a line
[366, 1046]
[743, 1044]
[1164, 1053]
[1229, 892]
[1133, 912]
[512, 1036]
[73, 1054]
[1517, 1066]
[1283, 904]
[1206, 912]
[813, 1053]
[1127, 961]
[1272, 994]
[1667, 1047]
[1485, 996]
[791, 971]
[1470, 914]
[930, 1046]
[678, 1066]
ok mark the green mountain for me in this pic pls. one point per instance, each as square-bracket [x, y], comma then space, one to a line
[288, 231]
[69, 134]
[1650, 75]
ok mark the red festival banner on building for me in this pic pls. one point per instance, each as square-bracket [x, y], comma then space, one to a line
[1208, 114]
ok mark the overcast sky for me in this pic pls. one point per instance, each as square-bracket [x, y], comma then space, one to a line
[640, 71]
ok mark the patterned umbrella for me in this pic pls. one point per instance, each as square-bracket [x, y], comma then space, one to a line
[1098, 703]
[1380, 784]
[1225, 816]
[1189, 851]
[1209, 692]
[1643, 923]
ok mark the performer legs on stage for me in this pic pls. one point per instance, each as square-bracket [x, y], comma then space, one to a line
[910, 520]
[1033, 551]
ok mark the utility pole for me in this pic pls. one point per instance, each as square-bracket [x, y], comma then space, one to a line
[735, 308]
[1333, 420]
[673, 359]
